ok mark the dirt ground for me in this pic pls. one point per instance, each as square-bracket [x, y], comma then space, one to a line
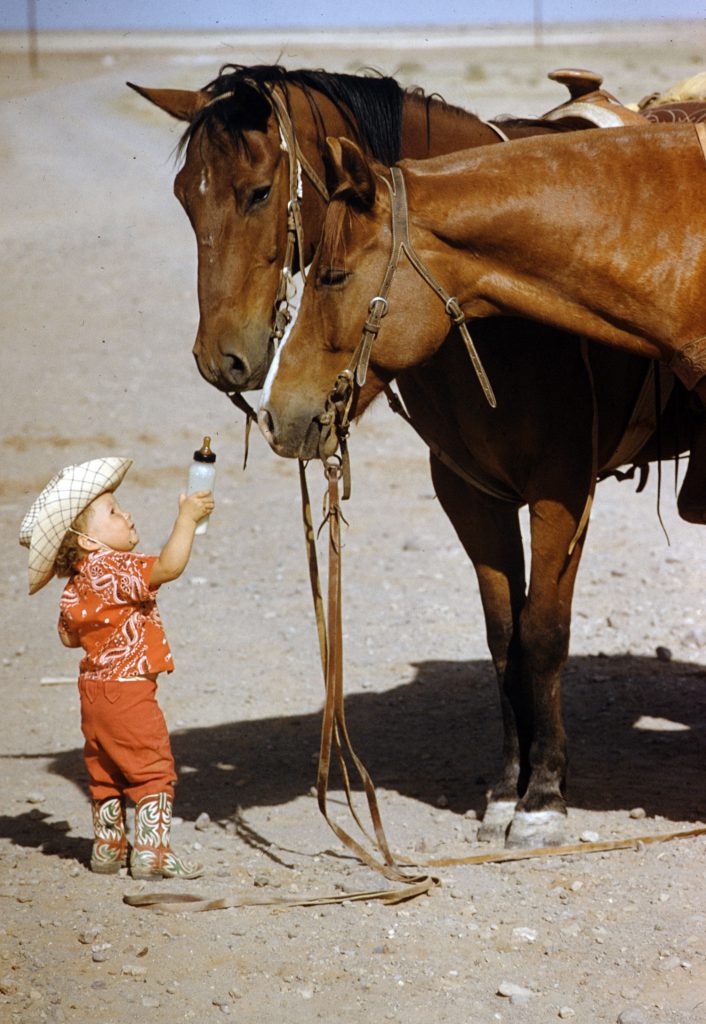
[99, 313]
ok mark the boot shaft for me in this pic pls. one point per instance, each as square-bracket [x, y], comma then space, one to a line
[109, 852]
[152, 855]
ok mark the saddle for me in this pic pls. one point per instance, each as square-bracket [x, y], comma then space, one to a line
[588, 105]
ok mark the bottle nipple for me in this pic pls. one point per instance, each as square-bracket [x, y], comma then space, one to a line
[205, 453]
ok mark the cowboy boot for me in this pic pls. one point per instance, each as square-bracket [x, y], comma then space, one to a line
[109, 852]
[152, 856]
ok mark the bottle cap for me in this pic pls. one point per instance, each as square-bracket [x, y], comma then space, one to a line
[204, 454]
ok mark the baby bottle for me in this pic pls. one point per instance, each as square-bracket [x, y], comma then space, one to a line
[202, 475]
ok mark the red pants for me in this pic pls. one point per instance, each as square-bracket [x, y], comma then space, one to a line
[127, 749]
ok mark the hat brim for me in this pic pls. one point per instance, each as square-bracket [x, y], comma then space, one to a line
[63, 499]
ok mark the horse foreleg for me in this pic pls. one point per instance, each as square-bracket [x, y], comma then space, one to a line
[490, 533]
[545, 624]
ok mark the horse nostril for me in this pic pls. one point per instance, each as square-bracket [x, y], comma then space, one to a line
[266, 424]
[238, 368]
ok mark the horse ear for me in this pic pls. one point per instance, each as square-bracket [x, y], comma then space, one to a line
[180, 103]
[348, 172]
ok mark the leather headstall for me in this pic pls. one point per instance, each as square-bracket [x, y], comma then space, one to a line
[354, 376]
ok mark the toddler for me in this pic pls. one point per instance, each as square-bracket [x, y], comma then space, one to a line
[76, 529]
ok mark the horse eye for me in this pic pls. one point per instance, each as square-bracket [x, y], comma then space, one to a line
[332, 276]
[259, 195]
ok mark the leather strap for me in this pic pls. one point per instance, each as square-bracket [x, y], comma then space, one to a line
[379, 305]
[700, 129]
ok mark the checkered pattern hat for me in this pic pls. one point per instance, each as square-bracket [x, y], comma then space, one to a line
[66, 496]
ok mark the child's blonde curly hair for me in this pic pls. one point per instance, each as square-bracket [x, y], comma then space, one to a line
[70, 552]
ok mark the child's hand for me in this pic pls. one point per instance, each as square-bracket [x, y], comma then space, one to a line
[196, 506]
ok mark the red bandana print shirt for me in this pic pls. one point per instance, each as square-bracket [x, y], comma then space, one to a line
[108, 608]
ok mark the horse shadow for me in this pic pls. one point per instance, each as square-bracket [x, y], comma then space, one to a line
[636, 728]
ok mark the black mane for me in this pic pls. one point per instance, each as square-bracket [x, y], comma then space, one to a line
[371, 104]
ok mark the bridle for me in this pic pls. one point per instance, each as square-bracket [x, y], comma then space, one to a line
[350, 380]
[295, 229]
[282, 313]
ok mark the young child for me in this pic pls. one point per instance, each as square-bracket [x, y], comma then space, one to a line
[76, 528]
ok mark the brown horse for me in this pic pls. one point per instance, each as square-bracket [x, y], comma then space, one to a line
[234, 185]
[530, 228]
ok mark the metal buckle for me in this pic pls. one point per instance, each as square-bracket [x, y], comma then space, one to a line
[373, 302]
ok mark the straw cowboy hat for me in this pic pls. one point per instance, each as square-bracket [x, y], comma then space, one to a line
[66, 496]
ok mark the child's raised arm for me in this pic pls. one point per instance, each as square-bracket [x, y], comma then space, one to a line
[175, 554]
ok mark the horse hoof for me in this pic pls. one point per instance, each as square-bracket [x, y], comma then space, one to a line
[496, 821]
[692, 514]
[532, 829]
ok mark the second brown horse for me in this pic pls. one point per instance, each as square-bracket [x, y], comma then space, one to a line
[598, 234]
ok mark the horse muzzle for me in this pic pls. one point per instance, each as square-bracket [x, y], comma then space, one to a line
[307, 438]
[231, 367]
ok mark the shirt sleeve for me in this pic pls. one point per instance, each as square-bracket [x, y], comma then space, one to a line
[67, 633]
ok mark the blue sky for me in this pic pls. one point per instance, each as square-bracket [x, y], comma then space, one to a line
[234, 14]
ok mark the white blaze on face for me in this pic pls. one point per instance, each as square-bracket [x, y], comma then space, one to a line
[272, 372]
[203, 184]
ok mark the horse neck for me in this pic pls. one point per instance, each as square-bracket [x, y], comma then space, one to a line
[431, 128]
[488, 229]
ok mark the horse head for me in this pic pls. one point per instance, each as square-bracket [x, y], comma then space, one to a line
[234, 188]
[309, 380]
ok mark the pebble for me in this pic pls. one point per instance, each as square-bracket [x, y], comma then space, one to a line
[663, 654]
[566, 1012]
[89, 935]
[524, 935]
[132, 971]
[589, 837]
[638, 812]
[632, 1015]
[35, 798]
[203, 822]
[517, 994]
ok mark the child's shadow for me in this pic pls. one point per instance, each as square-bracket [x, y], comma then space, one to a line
[33, 829]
